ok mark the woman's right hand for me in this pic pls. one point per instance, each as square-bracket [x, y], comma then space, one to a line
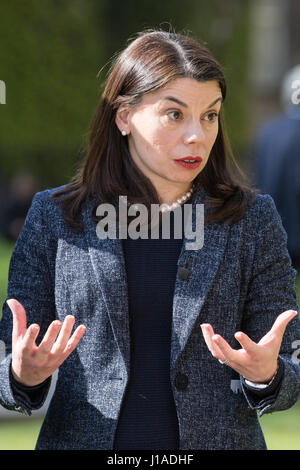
[32, 364]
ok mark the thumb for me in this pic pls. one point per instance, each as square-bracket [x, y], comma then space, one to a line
[282, 320]
[19, 318]
[280, 324]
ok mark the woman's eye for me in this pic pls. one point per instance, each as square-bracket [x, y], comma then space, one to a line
[212, 117]
[175, 115]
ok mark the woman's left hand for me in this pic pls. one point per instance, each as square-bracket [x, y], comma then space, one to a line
[256, 362]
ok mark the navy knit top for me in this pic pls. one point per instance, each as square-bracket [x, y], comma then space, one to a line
[148, 418]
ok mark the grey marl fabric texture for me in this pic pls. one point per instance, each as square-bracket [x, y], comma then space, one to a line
[241, 279]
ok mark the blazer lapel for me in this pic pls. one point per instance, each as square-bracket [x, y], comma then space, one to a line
[201, 266]
[108, 262]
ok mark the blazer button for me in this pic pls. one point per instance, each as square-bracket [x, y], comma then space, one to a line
[181, 381]
[183, 273]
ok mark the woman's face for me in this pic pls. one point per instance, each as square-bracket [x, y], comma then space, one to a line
[179, 120]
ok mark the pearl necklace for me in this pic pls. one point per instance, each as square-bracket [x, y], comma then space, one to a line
[169, 207]
[178, 202]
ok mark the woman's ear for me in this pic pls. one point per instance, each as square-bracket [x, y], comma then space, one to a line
[122, 119]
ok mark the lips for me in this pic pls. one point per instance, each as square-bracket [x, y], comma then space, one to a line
[189, 162]
[190, 157]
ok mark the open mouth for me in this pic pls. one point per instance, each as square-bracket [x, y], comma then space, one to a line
[190, 163]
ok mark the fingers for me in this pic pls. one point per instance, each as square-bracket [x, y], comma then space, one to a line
[74, 340]
[57, 339]
[219, 347]
[64, 334]
[19, 319]
[30, 337]
[32, 364]
[256, 361]
[208, 334]
[226, 350]
[246, 343]
[50, 337]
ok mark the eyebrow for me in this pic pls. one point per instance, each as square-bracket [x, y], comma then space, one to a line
[181, 103]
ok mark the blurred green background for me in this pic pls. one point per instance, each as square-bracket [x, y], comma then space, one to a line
[54, 56]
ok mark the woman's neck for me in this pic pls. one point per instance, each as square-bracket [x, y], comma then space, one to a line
[171, 194]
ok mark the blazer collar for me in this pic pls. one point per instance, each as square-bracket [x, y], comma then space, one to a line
[108, 263]
[201, 266]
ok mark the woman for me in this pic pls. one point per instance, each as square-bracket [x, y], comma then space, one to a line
[174, 347]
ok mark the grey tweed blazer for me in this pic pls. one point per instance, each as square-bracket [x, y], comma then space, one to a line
[241, 279]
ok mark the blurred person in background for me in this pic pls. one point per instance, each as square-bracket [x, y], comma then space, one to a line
[158, 345]
[15, 204]
[277, 160]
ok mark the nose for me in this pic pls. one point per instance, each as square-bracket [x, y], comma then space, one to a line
[194, 133]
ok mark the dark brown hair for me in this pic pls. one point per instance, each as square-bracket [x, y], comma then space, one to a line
[150, 61]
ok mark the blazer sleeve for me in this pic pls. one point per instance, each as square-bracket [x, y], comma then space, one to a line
[271, 291]
[31, 283]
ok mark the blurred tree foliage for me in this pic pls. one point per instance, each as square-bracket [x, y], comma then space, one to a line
[50, 55]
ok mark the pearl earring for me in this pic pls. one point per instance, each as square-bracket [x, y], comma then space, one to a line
[124, 133]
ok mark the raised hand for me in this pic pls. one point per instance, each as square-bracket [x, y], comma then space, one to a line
[256, 362]
[32, 364]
